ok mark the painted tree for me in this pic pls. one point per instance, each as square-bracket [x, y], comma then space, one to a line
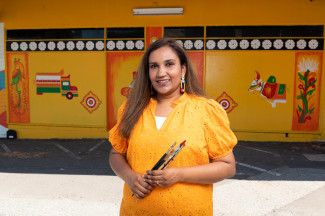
[307, 87]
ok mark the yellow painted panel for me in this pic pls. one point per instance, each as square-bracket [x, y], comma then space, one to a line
[87, 73]
[84, 13]
[233, 72]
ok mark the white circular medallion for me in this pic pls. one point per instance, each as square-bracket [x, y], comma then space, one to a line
[211, 44]
[198, 44]
[222, 44]
[289, 44]
[70, 45]
[90, 45]
[32, 46]
[80, 45]
[51, 45]
[130, 45]
[61, 45]
[179, 42]
[99, 45]
[23, 46]
[42, 46]
[278, 44]
[139, 45]
[244, 44]
[188, 44]
[120, 45]
[110, 45]
[266, 44]
[301, 44]
[232, 44]
[313, 44]
[14, 46]
[255, 44]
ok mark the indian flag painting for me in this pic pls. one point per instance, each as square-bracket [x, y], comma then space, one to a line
[3, 98]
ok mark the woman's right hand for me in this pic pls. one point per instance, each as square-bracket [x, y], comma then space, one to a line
[139, 187]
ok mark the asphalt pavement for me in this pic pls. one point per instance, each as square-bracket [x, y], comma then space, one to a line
[72, 177]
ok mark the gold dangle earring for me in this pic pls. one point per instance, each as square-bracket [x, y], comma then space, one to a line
[182, 90]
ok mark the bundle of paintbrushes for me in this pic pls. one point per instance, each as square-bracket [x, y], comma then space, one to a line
[168, 156]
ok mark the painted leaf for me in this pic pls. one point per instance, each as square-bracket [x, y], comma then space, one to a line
[301, 76]
[299, 97]
[310, 92]
[311, 110]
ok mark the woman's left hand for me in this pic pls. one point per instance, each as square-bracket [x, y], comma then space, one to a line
[162, 178]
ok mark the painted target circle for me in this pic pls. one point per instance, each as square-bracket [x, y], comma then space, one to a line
[225, 104]
[91, 102]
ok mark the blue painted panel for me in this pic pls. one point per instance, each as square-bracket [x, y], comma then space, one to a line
[2, 80]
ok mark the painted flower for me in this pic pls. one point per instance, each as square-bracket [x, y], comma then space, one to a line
[308, 64]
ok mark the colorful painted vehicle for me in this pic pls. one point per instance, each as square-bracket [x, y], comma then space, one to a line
[55, 83]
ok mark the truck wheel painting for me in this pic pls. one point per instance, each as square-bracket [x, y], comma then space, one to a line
[55, 83]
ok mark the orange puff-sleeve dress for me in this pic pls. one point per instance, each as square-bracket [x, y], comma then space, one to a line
[204, 125]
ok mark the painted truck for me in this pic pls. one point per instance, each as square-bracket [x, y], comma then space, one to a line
[55, 83]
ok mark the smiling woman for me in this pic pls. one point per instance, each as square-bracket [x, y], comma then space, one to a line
[160, 111]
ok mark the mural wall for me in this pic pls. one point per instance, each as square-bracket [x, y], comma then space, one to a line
[3, 98]
[267, 78]
[57, 84]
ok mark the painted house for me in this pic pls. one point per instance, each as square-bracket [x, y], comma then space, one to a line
[261, 60]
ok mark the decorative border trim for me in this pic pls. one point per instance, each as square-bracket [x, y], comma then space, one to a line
[191, 44]
[61, 45]
[187, 44]
[265, 44]
[124, 45]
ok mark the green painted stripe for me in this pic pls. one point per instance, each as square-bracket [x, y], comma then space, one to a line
[48, 90]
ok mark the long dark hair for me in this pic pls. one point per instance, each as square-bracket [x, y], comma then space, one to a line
[141, 93]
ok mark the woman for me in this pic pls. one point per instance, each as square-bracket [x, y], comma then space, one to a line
[167, 105]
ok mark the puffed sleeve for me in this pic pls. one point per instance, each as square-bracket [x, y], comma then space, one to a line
[218, 135]
[118, 142]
